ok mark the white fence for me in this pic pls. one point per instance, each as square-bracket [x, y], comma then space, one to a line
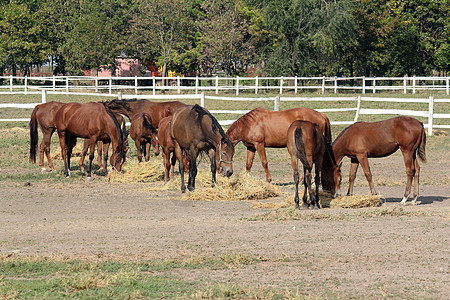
[237, 85]
[358, 109]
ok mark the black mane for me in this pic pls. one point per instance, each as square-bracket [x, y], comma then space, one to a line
[215, 124]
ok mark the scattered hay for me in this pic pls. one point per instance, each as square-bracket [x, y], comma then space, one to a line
[356, 201]
[76, 152]
[152, 170]
[440, 133]
[244, 187]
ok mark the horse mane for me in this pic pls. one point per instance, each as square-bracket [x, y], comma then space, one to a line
[147, 124]
[215, 124]
[246, 121]
[119, 129]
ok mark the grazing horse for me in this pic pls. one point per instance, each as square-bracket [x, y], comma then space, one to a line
[90, 121]
[133, 108]
[44, 115]
[168, 147]
[262, 128]
[380, 139]
[144, 133]
[305, 142]
[193, 130]
[102, 148]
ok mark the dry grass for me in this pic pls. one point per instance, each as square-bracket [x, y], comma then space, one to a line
[76, 151]
[152, 170]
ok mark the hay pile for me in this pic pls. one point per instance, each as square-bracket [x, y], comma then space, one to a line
[242, 187]
[132, 172]
[76, 151]
[325, 199]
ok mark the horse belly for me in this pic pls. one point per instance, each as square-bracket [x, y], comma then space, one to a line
[382, 149]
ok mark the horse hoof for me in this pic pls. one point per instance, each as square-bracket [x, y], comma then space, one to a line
[89, 178]
[43, 170]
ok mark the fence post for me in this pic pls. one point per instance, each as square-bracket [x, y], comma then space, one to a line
[178, 84]
[119, 96]
[217, 85]
[335, 84]
[358, 107]
[44, 96]
[237, 85]
[430, 115]
[447, 87]
[256, 84]
[374, 89]
[54, 83]
[281, 85]
[96, 84]
[296, 84]
[11, 83]
[26, 84]
[414, 84]
[67, 85]
[196, 84]
[202, 99]
[135, 84]
[364, 84]
[154, 84]
[404, 85]
[323, 85]
[276, 105]
[110, 85]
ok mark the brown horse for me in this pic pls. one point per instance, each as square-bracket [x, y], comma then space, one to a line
[307, 144]
[194, 130]
[44, 116]
[102, 148]
[133, 108]
[262, 128]
[144, 133]
[168, 147]
[380, 139]
[92, 121]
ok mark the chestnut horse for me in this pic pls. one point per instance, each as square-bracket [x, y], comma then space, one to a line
[91, 121]
[305, 142]
[261, 128]
[143, 132]
[194, 130]
[380, 139]
[168, 147]
[44, 116]
[133, 108]
[102, 148]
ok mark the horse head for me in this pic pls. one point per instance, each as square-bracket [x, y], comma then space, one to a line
[155, 142]
[331, 172]
[118, 157]
[224, 155]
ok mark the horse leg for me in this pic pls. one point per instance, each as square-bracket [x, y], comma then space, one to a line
[305, 186]
[364, 161]
[92, 143]
[99, 154]
[351, 180]
[318, 166]
[262, 154]
[83, 154]
[410, 173]
[192, 169]
[147, 151]
[105, 157]
[179, 156]
[250, 157]
[416, 181]
[63, 146]
[45, 148]
[212, 157]
[137, 143]
[166, 162]
[294, 163]
[172, 168]
[72, 141]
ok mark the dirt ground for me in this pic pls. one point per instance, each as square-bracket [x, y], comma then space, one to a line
[383, 252]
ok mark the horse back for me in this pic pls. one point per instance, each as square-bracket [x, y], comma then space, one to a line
[305, 141]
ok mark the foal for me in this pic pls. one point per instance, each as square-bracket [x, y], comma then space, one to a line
[144, 133]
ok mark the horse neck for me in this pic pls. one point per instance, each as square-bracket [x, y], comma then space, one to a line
[338, 146]
[233, 133]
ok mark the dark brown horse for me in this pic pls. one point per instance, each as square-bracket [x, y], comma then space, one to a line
[133, 108]
[261, 128]
[380, 139]
[102, 148]
[44, 116]
[194, 130]
[144, 134]
[90, 121]
[168, 148]
[307, 144]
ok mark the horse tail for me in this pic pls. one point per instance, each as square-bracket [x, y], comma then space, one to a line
[147, 123]
[34, 135]
[119, 130]
[421, 147]
[298, 137]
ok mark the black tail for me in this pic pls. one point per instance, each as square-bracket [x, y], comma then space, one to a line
[421, 148]
[298, 136]
[34, 136]
[148, 123]
[119, 130]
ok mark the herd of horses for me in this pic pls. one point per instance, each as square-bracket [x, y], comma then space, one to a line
[184, 131]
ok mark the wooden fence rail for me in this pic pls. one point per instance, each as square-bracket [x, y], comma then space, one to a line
[218, 84]
[358, 109]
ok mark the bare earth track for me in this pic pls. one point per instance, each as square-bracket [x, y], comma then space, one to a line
[384, 252]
